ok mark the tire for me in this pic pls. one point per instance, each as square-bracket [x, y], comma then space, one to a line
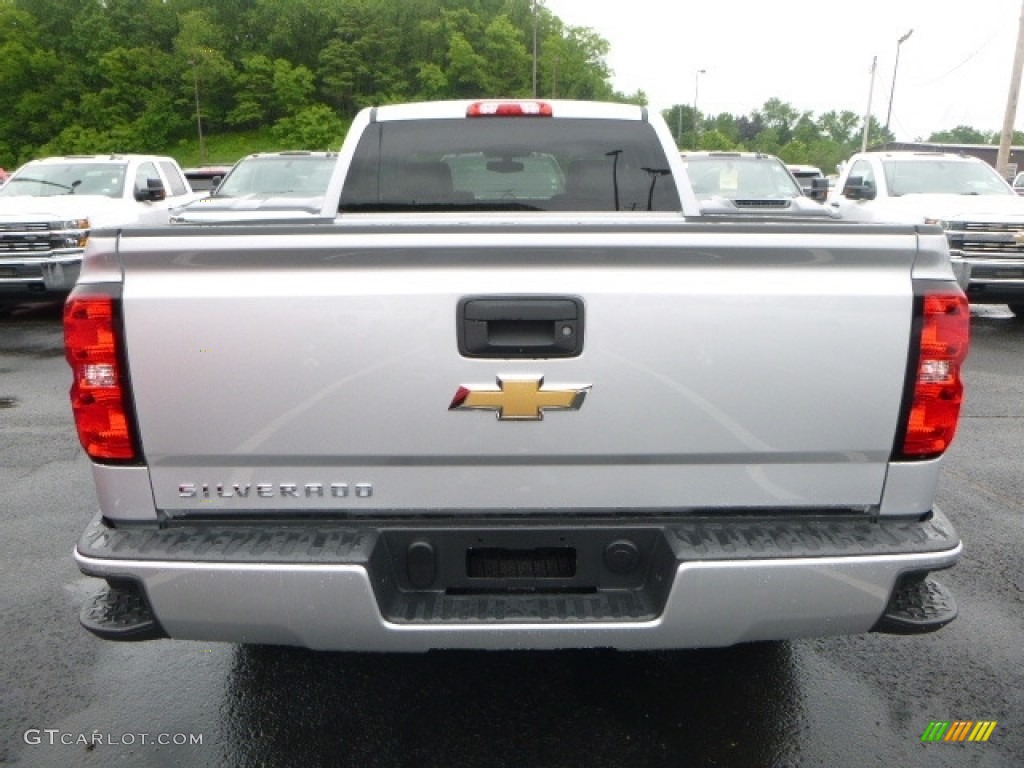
[1018, 310]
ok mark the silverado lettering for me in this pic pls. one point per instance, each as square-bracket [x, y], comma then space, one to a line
[270, 490]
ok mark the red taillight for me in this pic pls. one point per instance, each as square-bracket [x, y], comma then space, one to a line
[91, 346]
[509, 109]
[937, 389]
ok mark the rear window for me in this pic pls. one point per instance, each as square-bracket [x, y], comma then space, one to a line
[278, 176]
[515, 163]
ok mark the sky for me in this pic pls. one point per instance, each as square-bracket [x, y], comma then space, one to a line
[816, 55]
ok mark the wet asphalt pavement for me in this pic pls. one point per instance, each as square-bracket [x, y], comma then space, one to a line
[69, 699]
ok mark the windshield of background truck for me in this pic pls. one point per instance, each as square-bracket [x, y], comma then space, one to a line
[942, 176]
[105, 179]
[736, 178]
[514, 163]
[281, 176]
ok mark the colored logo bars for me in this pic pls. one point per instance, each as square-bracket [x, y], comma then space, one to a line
[958, 730]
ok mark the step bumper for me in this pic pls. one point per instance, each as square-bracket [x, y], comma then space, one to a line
[691, 584]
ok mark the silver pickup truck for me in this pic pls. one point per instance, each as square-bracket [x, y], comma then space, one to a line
[510, 390]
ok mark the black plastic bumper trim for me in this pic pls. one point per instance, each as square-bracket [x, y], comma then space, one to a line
[121, 612]
[703, 538]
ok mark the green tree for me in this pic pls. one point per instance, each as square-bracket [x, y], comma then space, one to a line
[364, 62]
[778, 117]
[964, 134]
[315, 127]
[840, 127]
[573, 65]
[293, 87]
[508, 64]
[716, 141]
[253, 83]
[682, 121]
[33, 89]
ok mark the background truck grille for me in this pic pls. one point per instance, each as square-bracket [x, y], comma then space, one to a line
[989, 239]
[33, 238]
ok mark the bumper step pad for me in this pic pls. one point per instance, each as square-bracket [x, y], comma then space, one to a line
[569, 571]
[917, 607]
[120, 613]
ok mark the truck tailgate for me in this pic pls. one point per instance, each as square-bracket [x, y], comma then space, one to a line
[315, 369]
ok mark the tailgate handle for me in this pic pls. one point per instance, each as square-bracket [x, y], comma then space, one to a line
[527, 326]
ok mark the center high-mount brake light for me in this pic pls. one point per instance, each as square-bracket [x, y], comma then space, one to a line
[92, 349]
[509, 109]
[936, 390]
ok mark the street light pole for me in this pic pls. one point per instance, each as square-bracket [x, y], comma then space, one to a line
[696, 115]
[895, 67]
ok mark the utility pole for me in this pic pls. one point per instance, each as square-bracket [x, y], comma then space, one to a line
[535, 48]
[867, 115]
[199, 118]
[1006, 137]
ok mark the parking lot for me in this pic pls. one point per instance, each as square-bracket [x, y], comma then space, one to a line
[67, 698]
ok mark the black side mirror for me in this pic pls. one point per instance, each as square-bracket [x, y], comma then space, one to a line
[857, 188]
[153, 192]
[818, 190]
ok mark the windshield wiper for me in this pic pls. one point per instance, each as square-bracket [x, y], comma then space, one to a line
[69, 188]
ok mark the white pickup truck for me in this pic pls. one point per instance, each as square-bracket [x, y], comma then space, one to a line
[49, 206]
[981, 214]
[511, 390]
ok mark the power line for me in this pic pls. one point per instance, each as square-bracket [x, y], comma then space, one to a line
[962, 63]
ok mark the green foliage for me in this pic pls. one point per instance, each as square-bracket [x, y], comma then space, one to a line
[964, 134]
[716, 141]
[316, 127]
[225, 148]
[776, 129]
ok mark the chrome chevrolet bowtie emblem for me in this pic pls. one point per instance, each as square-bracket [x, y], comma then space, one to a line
[1018, 237]
[519, 399]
